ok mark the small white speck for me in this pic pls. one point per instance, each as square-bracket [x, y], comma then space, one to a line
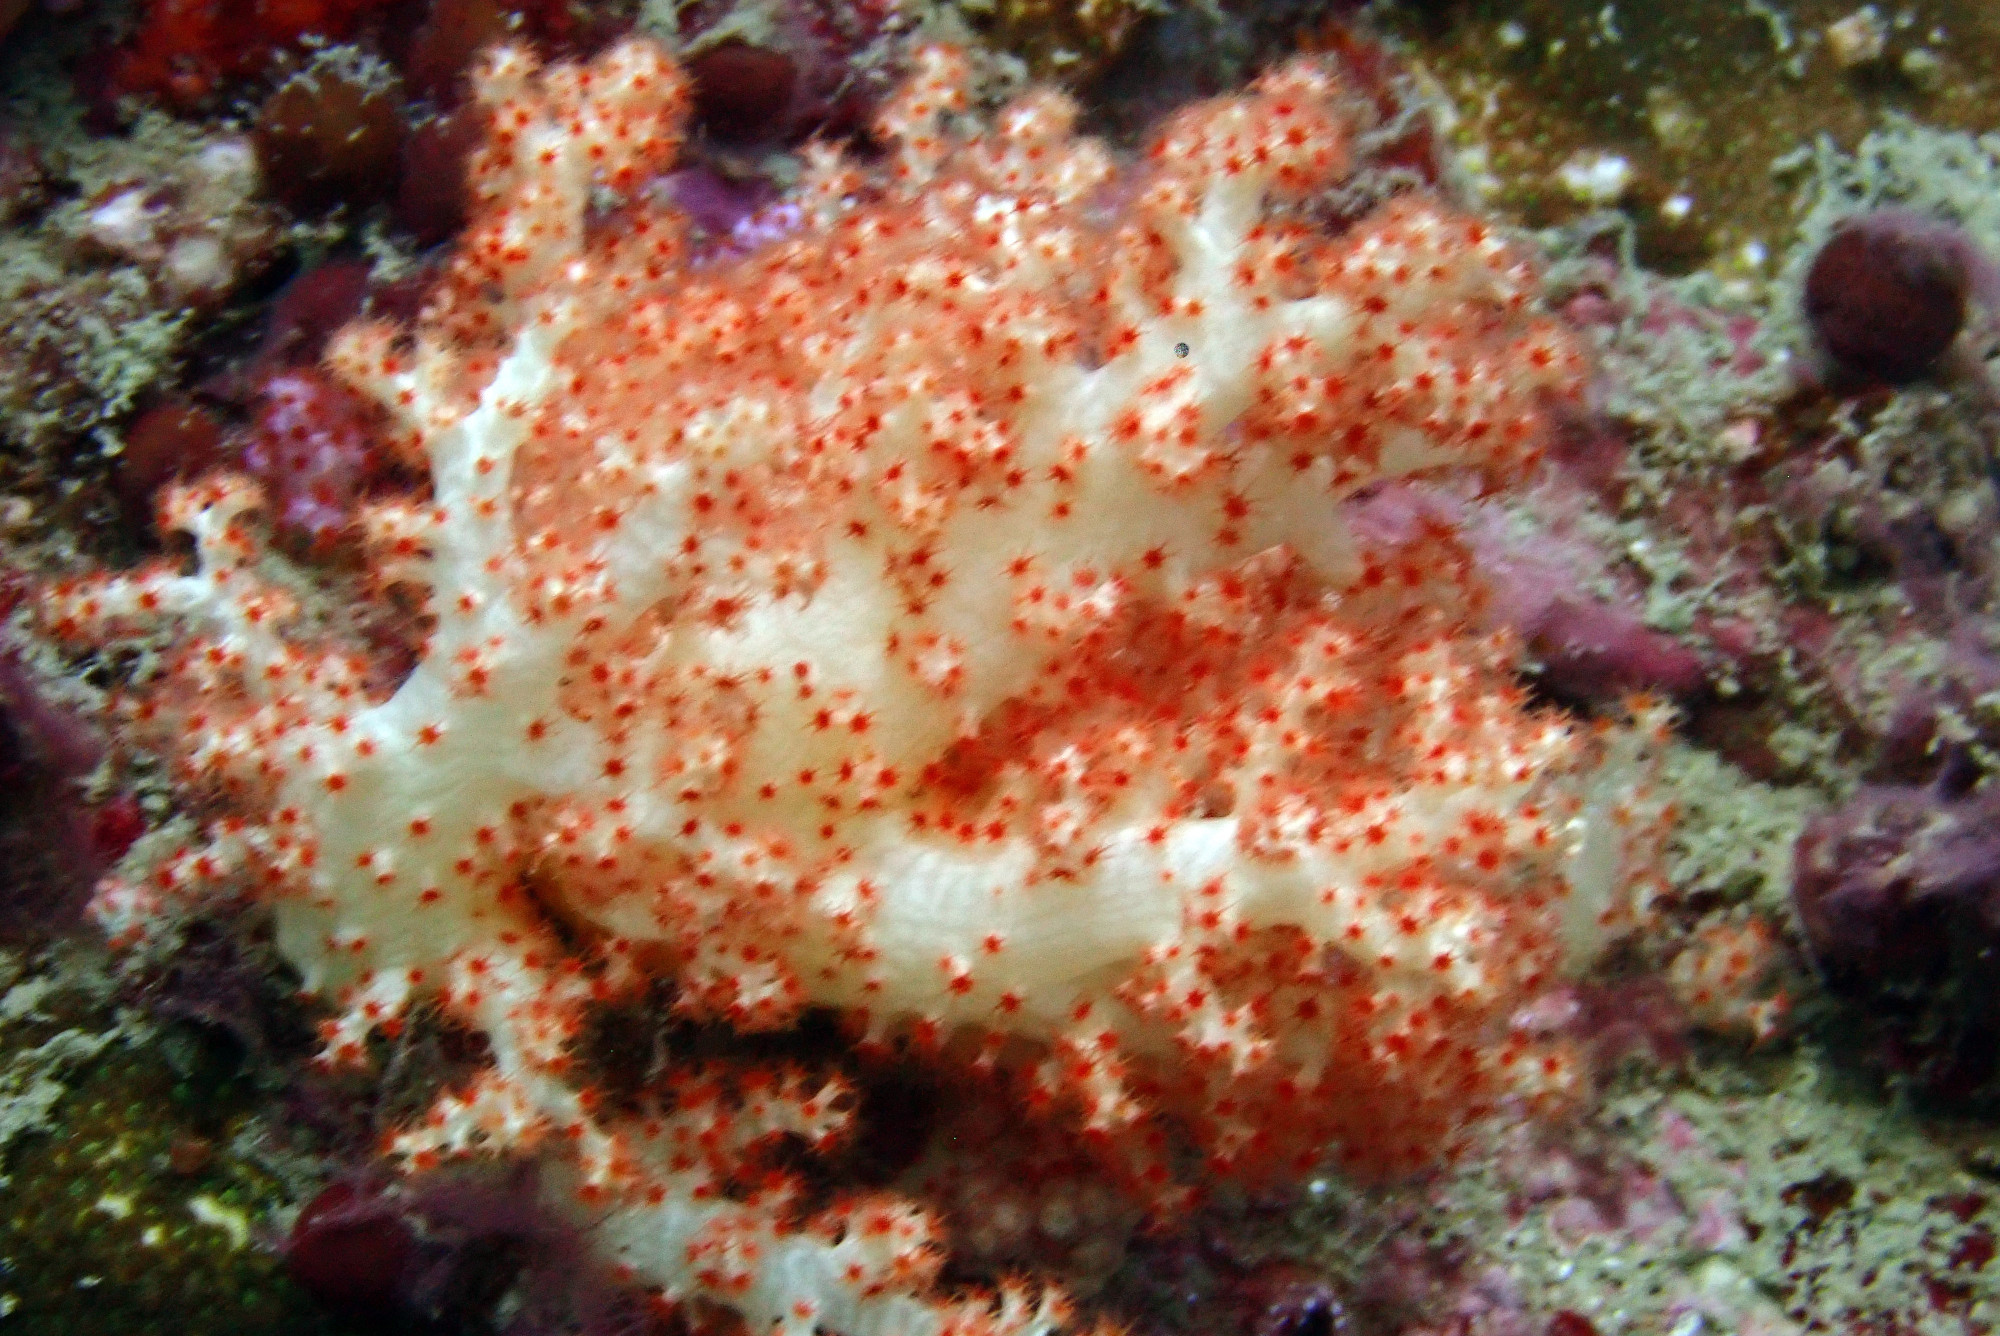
[217, 1215]
[229, 164]
[1595, 177]
[115, 1204]
[1675, 208]
[198, 264]
[1859, 38]
[1511, 35]
[1781, 32]
[1922, 68]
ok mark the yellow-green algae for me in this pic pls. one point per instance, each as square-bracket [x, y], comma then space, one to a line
[1699, 96]
[130, 1200]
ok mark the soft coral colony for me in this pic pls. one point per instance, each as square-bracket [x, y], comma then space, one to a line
[942, 616]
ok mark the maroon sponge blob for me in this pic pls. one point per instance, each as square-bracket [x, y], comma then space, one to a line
[742, 93]
[328, 138]
[445, 44]
[306, 314]
[350, 1250]
[431, 196]
[174, 438]
[1887, 294]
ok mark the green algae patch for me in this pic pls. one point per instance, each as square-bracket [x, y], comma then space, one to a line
[132, 1199]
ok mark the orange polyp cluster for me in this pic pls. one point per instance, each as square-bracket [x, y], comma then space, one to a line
[943, 616]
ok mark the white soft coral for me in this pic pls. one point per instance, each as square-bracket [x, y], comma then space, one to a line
[942, 616]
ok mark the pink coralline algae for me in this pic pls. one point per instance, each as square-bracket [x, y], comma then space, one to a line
[1885, 882]
[1898, 891]
[313, 448]
[1591, 650]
